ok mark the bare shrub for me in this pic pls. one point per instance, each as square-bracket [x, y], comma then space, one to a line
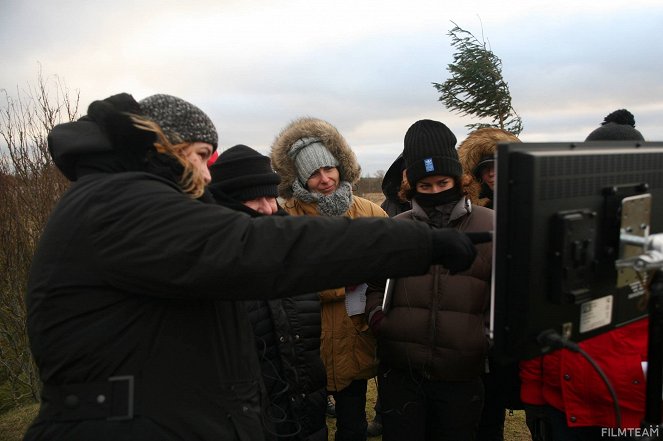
[30, 185]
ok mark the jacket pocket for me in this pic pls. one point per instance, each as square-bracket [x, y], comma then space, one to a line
[365, 354]
[244, 410]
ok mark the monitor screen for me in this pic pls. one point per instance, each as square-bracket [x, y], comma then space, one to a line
[560, 209]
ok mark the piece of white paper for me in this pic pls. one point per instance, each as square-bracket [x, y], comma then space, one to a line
[355, 300]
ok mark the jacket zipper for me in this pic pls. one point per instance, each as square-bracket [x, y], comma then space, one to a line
[434, 307]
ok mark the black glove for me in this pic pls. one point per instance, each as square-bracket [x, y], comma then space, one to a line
[481, 237]
[452, 249]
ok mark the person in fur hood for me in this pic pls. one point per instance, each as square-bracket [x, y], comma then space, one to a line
[317, 169]
[477, 156]
[502, 386]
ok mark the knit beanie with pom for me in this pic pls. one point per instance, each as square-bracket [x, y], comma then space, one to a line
[617, 126]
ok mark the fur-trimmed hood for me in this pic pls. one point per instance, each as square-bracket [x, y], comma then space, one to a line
[307, 127]
[477, 145]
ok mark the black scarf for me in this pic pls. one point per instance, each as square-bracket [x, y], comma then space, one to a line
[487, 192]
[429, 200]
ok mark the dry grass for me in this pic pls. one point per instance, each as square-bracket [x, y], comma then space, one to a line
[14, 423]
[514, 425]
[377, 198]
[515, 428]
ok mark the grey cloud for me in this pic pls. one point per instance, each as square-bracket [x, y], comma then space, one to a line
[565, 72]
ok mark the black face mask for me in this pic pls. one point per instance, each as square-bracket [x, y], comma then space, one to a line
[436, 199]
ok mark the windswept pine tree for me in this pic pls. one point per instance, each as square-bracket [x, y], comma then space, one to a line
[476, 86]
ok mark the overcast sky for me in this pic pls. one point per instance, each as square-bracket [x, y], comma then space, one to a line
[364, 66]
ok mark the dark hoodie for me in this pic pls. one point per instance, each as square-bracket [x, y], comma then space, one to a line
[391, 186]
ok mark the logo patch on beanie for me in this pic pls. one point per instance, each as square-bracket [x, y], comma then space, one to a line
[428, 165]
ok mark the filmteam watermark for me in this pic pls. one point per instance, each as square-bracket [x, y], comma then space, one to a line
[632, 432]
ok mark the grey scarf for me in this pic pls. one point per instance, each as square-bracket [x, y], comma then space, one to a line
[335, 204]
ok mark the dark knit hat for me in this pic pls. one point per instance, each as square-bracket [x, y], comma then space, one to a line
[617, 126]
[180, 120]
[430, 149]
[244, 174]
[484, 161]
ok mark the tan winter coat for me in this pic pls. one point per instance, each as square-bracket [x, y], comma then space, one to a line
[347, 346]
[480, 143]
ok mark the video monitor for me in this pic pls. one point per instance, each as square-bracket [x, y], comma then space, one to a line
[560, 209]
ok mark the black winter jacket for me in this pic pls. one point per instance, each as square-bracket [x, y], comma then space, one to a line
[132, 316]
[287, 336]
[287, 333]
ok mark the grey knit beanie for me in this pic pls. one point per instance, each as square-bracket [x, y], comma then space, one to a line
[309, 155]
[180, 120]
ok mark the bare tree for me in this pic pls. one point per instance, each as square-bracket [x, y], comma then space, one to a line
[30, 184]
